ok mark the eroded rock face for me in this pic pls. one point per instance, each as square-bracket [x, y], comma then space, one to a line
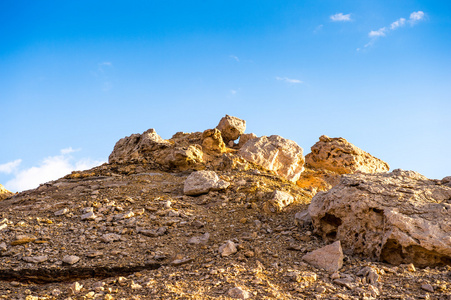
[231, 128]
[4, 193]
[338, 155]
[212, 141]
[277, 154]
[397, 217]
[201, 182]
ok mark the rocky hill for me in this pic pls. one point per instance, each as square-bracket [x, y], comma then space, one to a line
[202, 216]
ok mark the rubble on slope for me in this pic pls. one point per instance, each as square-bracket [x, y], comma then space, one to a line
[131, 229]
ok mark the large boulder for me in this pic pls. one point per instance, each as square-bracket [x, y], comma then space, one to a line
[397, 217]
[275, 153]
[338, 155]
[231, 128]
[202, 182]
[4, 193]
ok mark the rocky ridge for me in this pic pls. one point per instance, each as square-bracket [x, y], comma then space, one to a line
[137, 228]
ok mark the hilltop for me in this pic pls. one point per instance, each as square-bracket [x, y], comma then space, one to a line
[207, 216]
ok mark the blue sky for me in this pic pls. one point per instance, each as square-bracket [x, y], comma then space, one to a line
[77, 76]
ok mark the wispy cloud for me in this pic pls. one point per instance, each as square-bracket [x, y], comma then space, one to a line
[10, 167]
[234, 57]
[398, 23]
[289, 80]
[50, 168]
[233, 92]
[414, 18]
[377, 33]
[340, 17]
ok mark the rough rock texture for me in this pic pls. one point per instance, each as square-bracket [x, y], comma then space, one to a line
[279, 200]
[329, 258]
[397, 217]
[201, 182]
[338, 155]
[231, 128]
[4, 193]
[212, 141]
[246, 137]
[277, 154]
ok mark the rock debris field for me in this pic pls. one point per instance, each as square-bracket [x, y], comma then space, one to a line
[204, 216]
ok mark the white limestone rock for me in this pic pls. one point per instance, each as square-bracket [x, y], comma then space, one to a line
[201, 182]
[277, 154]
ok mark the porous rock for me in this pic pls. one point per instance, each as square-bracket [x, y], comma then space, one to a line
[231, 128]
[329, 258]
[201, 182]
[338, 155]
[397, 217]
[238, 293]
[227, 249]
[277, 154]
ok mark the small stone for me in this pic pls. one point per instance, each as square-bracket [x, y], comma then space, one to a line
[167, 204]
[409, 267]
[3, 246]
[227, 249]
[56, 292]
[88, 216]
[329, 257]
[302, 218]
[278, 201]
[15, 283]
[135, 286]
[70, 259]
[427, 287]
[75, 287]
[110, 237]
[22, 239]
[203, 239]
[202, 182]
[335, 276]
[122, 281]
[61, 212]
[35, 259]
[238, 293]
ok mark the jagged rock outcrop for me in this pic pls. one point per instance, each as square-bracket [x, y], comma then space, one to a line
[397, 217]
[4, 193]
[212, 141]
[277, 154]
[231, 128]
[246, 137]
[340, 156]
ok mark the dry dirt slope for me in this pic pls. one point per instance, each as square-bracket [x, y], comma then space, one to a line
[128, 232]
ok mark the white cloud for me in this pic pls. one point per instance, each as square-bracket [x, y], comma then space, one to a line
[10, 167]
[50, 168]
[233, 92]
[377, 33]
[234, 57]
[289, 80]
[398, 23]
[416, 16]
[340, 17]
